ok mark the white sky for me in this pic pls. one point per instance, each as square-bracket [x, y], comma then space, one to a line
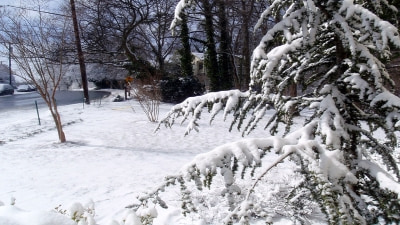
[51, 3]
[50, 6]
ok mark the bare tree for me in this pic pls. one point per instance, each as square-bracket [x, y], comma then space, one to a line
[155, 35]
[39, 50]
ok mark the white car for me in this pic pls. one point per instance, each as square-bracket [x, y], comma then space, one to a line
[26, 88]
[6, 89]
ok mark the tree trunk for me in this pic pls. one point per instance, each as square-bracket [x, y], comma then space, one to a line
[246, 54]
[57, 120]
[211, 59]
[225, 71]
[185, 52]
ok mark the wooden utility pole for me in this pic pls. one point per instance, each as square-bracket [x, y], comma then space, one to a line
[9, 61]
[81, 58]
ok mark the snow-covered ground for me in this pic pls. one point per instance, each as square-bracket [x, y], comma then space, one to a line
[112, 154]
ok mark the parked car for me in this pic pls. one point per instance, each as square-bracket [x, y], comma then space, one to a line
[6, 89]
[26, 88]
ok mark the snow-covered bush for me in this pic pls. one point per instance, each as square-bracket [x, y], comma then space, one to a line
[12, 215]
[344, 151]
[143, 216]
[83, 215]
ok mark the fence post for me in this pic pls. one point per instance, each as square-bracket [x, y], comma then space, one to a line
[37, 111]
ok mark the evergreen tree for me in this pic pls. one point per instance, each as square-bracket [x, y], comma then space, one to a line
[210, 58]
[346, 150]
[225, 64]
[176, 88]
[185, 52]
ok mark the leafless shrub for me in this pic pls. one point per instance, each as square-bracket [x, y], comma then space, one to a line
[148, 94]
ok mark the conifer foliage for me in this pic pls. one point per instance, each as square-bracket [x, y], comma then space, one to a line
[346, 150]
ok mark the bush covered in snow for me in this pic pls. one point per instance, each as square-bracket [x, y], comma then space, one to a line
[334, 50]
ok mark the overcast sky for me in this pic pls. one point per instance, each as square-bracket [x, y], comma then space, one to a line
[50, 6]
[51, 3]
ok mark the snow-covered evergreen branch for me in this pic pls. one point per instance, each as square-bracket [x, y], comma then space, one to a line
[334, 52]
[192, 108]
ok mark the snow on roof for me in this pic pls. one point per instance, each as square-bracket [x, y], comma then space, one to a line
[198, 55]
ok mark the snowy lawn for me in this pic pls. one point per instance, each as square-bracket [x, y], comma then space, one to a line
[112, 154]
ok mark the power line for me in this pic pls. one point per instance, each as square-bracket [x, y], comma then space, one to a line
[35, 10]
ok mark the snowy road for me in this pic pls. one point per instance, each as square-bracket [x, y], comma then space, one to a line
[27, 100]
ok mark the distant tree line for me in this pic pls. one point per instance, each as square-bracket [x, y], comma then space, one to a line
[137, 36]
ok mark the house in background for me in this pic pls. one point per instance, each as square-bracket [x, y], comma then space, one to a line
[199, 69]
